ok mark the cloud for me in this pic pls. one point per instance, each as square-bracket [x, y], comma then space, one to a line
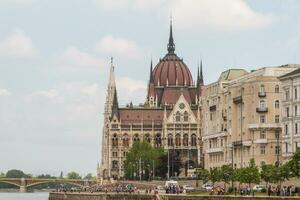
[197, 15]
[133, 5]
[4, 92]
[227, 15]
[119, 47]
[131, 90]
[75, 57]
[17, 45]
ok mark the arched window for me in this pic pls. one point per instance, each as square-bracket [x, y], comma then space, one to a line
[177, 140]
[125, 140]
[262, 104]
[262, 88]
[186, 116]
[193, 140]
[157, 140]
[136, 138]
[170, 140]
[115, 140]
[277, 104]
[276, 88]
[177, 116]
[147, 138]
[185, 140]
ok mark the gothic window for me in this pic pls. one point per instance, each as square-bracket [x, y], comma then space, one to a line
[125, 140]
[115, 140]
[177, 116]
[147, 138]
[262, 119]
[170, 140]
[286, 129]
[262, 135]
[277, 104]
[276, 118]
[185, 140]
[193, 140]
[136, 138]
[186, 116]
[276, 89]
[177, 140]
[296, 93]
[115, 164]
[158, 140]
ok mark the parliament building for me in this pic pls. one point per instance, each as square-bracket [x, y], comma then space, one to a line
[169, 118]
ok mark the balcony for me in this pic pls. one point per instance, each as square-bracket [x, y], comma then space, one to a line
[261, 141]
[238, 99]
[215, 150]
[213, 108]
[237, 143]
[262, 109]
[262, 94]
[269, 126]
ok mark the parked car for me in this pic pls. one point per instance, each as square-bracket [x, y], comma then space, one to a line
[207, 186]
[259, 187]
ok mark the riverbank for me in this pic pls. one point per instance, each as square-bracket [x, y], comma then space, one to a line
[127, 196]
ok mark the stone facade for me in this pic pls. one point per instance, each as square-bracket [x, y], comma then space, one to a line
[242, 113]
[290, 113]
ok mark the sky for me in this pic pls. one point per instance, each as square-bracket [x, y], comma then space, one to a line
[55, 58]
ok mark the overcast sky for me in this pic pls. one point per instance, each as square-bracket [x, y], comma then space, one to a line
[55, 55]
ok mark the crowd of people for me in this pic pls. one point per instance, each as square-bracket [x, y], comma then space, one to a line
[291, 190]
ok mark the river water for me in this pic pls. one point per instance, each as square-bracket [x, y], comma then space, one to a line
[24, 196]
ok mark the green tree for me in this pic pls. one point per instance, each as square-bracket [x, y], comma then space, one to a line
[15, 173]
[2, 175]
[142, 155]
[294, 164]
[89, 176]
[249, 174]
[226, 174]
[203, 175]
[73, 175]
[61, 176]
[215, 175]
[268, 173]
[46, 176]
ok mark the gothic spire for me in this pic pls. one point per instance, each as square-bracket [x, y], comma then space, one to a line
[111, 82]
[171, 45]
[151, 73]
[198, 75]
[201, 74]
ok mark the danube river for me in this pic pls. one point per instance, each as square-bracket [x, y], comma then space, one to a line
[24, 196]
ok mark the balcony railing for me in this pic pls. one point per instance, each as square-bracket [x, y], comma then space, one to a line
[237, 99]
[262, 94]
[261, 109]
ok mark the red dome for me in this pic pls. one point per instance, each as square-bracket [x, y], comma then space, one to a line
[172, 71]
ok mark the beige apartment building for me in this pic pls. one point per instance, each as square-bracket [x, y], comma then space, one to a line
[241, 115]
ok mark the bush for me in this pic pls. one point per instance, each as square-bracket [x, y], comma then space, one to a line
[230, 190]
[264, 190]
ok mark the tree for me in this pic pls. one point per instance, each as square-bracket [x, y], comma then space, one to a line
[294, 164]
[61, 176]
[73, 175]
[268, 174]
[14, 173]
[89, 176]
[141, 158]
[249, 174]
[2, 175]
[226, 174]
[46, 176]
[203, 175]
[215, 175]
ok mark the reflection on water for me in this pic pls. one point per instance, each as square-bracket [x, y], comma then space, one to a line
[24, 196]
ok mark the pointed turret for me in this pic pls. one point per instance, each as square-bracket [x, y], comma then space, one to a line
[151, 79]
[201, 74]
[171, 45]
